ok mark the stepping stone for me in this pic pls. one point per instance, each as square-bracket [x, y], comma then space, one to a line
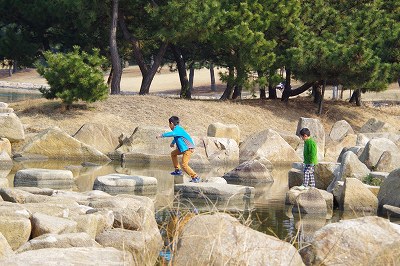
[215, 191]
[44, 178]
[121, 183]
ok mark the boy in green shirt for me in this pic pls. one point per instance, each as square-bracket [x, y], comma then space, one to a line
[310, 158]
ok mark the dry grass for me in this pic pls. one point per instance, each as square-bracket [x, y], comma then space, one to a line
[124, 113]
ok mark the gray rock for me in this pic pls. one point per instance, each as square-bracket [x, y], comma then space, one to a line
[46, 224]
[70, 256]
[44, 178]
[340, 130]
[144, 246]
[56, 144]
[220, 239]
[368, 240]
[98, 136]
[389, 192]
[356, 197]
[253, 171]
[5, 249]
[373, 125]
[267, 144]
[317, 132]
[310, 201]
[120, 184]
[352, 167]
[59, 241]
[214, 191]
[220, 130]
[11, 127]
[16, 229]
[374, 149]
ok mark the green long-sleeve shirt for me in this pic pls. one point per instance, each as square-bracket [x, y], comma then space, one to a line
[310, 151]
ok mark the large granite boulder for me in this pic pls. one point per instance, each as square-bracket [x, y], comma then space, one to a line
[368, 240]
[325, 173]
[11, 127]
[16, 229]
[351, 166]
[5, 249]
[98, 136]
[374, 125]
[356, 197]
[253, 171]
[220, 130]
[220, 239]
[374, 150]
[340, 130]
[143, 141]
[56, 144]
[388, 162]
[267, 144]
[333, 149]
[317, 133]
[144, 247]
[310, 201]
[46, 224]
[291, 138]
[389, 193]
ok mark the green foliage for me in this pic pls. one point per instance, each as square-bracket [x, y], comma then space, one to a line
[74, 76]
[373, 181]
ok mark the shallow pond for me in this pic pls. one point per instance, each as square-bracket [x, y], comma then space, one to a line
[267, 213]
[9, 96]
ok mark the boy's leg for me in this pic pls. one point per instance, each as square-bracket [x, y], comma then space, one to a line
[185, 163]
[306, 175]
[312, 179]
[309, 175]
[174, 157]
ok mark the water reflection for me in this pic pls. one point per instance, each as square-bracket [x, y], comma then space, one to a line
[266, 213]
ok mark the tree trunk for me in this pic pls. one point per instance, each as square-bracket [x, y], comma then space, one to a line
[262, 88]
[322, 98]
[272, 92]
[356, 97]
[212, 76]
[316, 93]
[287, 90]
[110, 76]
[181, 65]
[146, 82]
[237, 92]
[115, 59]
[147, 74]
[191, 77]
[229, 84]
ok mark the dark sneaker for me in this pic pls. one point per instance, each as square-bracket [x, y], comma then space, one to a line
[196, 180]
[177, 172]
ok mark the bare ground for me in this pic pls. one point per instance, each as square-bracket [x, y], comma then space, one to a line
[123, 113]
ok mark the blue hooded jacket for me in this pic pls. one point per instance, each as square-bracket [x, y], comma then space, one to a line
[181, 138]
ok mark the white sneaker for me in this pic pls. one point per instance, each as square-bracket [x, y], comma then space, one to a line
[301, 187]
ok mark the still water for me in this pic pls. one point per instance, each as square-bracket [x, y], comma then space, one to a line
[9, 96]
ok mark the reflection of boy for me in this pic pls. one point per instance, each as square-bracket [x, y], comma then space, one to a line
[310, 158]
[184, 145]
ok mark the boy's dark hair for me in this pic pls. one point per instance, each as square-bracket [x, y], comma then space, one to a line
[305, 131]
[174, 120]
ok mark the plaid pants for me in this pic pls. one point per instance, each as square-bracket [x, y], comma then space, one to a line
[309, 175]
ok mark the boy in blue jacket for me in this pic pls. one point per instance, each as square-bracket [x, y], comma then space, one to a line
[184, 145]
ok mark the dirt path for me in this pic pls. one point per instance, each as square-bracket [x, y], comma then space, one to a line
[168, 82]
